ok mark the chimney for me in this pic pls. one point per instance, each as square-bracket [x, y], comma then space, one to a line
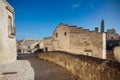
[96, 29]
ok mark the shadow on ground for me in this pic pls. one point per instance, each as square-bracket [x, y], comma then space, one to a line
[45, 70]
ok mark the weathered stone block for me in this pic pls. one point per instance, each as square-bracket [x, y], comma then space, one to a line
[117, 53]
[84, 67]
[7, 39]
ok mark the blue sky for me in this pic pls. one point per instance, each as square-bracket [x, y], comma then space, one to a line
[39, 18]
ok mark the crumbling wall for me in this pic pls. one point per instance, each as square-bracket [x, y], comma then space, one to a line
[79, 41]
[61, 38]
[117, 53]
[84, 67]
[47, 43]
[88, 43]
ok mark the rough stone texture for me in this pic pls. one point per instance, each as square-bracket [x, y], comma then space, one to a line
[112, 35]
[28, 45]
[46, 70]
[117, 53]
[22, 67]
[7, 34]
[79, 41]
[85, 67]
[48, 44]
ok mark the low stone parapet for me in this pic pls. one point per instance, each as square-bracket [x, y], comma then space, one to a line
[84, 67]
[117, 53]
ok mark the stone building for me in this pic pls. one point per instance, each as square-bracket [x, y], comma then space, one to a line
[116, 52]
[113, 39]
[10, 68]
[78, 41]
[48, 46]
[29, 45]
[112, 35]
[7, 33]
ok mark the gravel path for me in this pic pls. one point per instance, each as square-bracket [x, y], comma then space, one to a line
[45, 70]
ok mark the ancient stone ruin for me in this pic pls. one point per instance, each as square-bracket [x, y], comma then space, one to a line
[77, 40]
[10, 68]
[7, 33]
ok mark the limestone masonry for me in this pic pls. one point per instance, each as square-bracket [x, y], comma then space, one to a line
[48, 46]
[29, 45]
[112, 35]
[10, 68]
[117, 53]
[7, 33]
[84, 67]
[78, 41]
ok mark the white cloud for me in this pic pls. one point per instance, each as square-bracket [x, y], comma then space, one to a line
[21, 36]
[27, 34]
[75, 5]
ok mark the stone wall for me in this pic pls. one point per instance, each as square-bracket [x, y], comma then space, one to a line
[117, 53]
[61, 38]
[7, 33]
[87, 43]
[47, 43]
[84, 67]
[28, 45]
[79, 41]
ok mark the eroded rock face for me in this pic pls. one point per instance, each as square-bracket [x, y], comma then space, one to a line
[117, 53]
[85, 67]
[7, 33]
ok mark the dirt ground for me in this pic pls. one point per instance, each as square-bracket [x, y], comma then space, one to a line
[45, 70]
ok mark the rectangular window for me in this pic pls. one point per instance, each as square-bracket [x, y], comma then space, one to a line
[65, 33]
[11, 29]
[56, 34]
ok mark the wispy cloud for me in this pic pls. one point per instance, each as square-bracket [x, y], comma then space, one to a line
[27, 34]
[75, 5]
[21, 36]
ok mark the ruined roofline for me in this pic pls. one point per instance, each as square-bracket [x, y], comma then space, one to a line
[78, 28]
[19, 40]
[114, 30]
[86, 30]
[9, 7]
[47, 37]
[81, 28]
[72, 26]
[31, 40]
[111, 29]
[59, 25]
[62, 24]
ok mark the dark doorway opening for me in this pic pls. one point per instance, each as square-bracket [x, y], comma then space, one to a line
[46, 49]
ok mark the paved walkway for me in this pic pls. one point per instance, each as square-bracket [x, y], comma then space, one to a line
[45, 70]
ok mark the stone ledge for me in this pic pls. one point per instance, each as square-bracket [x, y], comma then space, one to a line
[17, 70]
[84, 67]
